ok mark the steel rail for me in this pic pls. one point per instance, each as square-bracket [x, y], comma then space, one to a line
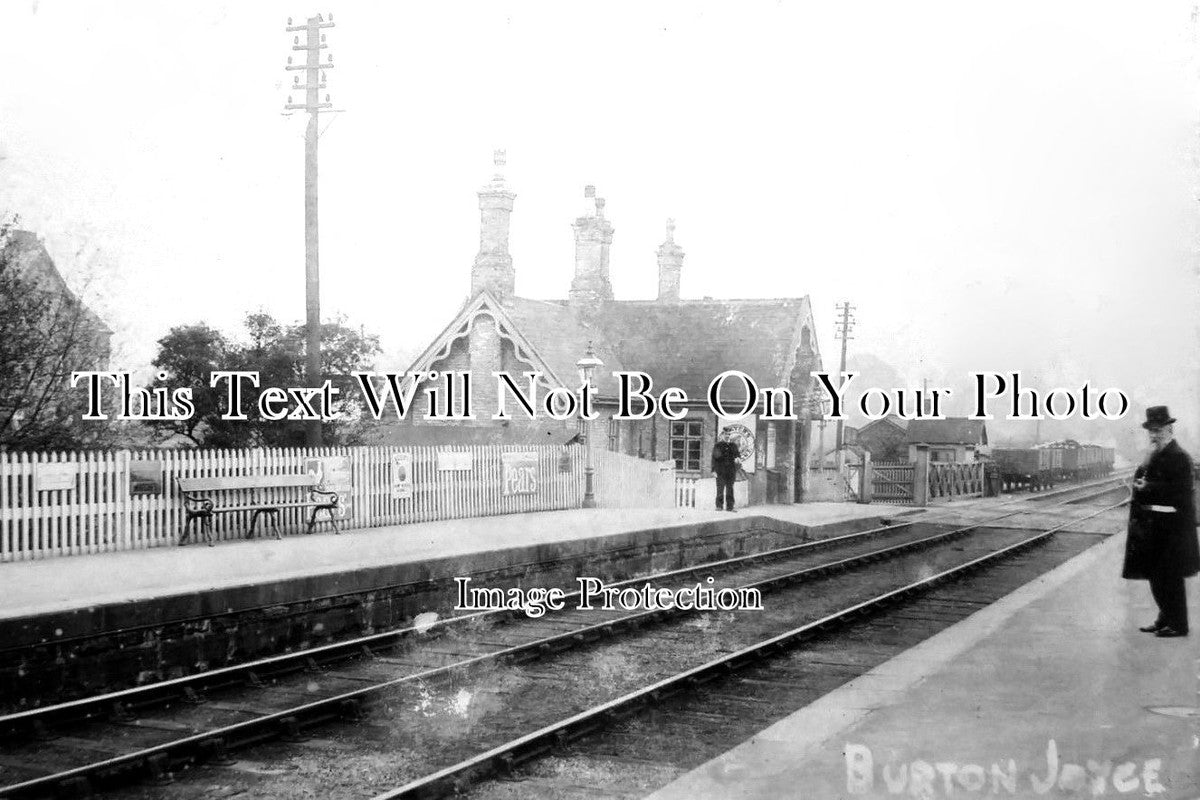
[333, 597]
[455, 778]
[214, 742]
[191, 686]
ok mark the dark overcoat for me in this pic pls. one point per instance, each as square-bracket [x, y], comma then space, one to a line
[1163, 543]
[725, 457]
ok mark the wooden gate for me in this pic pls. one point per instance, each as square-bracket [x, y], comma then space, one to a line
[892, 483]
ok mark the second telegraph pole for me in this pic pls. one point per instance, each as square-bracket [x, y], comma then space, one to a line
[314, 81]
[845, 325]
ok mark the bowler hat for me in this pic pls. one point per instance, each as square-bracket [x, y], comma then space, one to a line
[1157, 416]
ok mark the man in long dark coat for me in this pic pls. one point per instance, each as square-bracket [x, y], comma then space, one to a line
[725, 457]
[1161, 546]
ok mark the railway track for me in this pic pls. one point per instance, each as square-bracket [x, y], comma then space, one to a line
[109, 741]
[33, 655]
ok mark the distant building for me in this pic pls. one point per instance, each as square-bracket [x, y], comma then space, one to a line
[885, 439]
[954, 439]
[677, 342]
[26, 255]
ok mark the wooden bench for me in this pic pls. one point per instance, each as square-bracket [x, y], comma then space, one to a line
[200, 506]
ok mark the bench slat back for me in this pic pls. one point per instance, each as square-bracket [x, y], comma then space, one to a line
[229, 483]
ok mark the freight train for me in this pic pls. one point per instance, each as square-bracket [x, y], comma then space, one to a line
[1044, 465]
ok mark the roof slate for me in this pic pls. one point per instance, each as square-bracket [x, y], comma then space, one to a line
[682, 344]
[687, 344]
[957, 430]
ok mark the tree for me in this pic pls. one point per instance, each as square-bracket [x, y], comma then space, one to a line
[189, 354]
[186, 358]
[46, 333]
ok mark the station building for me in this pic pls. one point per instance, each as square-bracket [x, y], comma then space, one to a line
[677, 342]
[953, 439]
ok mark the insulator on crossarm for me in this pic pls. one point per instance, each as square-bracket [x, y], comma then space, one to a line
[331, 58]
[289, 59]
[295, 40]
[323, 77]
[326, 98]
[289, 20]
[322, 38]
[331, 16]
[289, 99]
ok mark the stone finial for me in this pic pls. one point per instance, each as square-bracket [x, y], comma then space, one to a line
[670, 230]
[499, 157]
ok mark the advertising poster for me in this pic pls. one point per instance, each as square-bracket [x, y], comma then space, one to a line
[145, 477]
[402, 476]
[333, 475]
[944, 255]
[520, 473]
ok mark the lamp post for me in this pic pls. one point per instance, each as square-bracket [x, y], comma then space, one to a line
[587, 366]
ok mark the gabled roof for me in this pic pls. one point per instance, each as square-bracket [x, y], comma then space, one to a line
[956, 430]
[561, 337]
[889, 421]
[681, 344]
[26, 253]
[548, 336]
[688, 343]
[480, 434]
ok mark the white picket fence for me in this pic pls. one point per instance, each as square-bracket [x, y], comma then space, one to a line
[685, 490]
[94, 510]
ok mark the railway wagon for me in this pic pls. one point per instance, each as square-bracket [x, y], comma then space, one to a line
[1082, 461]
[1027, 467]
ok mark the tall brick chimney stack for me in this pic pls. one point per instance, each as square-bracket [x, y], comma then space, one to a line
[493, 268]
[591, 285]
[670, 264]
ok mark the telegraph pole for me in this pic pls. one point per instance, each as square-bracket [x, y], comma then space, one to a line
[844, 326]
[314, 81]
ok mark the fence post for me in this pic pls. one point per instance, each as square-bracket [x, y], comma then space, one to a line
[866, 478]
[124, 506]
[921, 478]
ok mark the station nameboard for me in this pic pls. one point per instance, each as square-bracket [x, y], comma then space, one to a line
[53, 477]
[454, 461]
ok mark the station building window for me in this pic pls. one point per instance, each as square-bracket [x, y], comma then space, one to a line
[685, 444]
[614, 435]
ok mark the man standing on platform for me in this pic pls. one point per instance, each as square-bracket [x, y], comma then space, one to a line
[1161, 546]
[725, 457]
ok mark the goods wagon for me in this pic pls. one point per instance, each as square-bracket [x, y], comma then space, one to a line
[1026, 467]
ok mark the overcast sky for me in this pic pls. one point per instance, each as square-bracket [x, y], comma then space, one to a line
[994, 186]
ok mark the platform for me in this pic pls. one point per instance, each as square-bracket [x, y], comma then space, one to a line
[69, 582]
[1056, 677]
[78, 625]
